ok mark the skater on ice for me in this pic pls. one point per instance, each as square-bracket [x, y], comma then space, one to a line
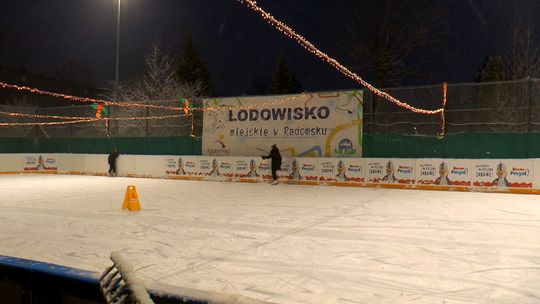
[112, 162]
[276, 162]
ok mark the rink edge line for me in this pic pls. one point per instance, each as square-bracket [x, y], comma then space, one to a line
[305, 183]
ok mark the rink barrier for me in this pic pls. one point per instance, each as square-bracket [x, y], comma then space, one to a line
[37, 282]
[466, 175]
[334, 184]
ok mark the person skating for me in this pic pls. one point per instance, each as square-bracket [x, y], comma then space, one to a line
[112, 162]
[276, 162]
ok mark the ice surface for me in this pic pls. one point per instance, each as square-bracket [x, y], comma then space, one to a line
[284, 244]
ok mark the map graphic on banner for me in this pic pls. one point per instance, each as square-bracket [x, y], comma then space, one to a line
[311, 125]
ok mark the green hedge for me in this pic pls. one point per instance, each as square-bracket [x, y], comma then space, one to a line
[131, 145]
[470, 145]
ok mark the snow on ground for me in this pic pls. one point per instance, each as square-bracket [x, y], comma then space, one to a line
[284, 244]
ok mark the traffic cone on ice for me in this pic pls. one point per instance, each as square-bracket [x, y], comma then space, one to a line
[131, 200]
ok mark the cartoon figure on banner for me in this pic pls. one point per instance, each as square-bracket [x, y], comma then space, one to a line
[501, 180]
[295, 175]
[40, 163]
[180, 170]
[443, 175]
[341, 176]
[390, 171]
[220, 141]
[216, 123]
[253, 169]
[215, 168]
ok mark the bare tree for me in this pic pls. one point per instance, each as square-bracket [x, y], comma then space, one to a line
[158, 81]
[523, 54]
[387, 41]
[506, 103]
[158, 86]
[381, 37]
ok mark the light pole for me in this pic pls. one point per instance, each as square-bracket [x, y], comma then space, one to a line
[117, 69]
[117, 45]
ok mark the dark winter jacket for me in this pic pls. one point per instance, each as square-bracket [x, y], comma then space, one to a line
[113, 156]
[276, 158]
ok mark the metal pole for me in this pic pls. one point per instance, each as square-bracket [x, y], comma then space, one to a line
[117, 44]
[529, 104]
[117, 70]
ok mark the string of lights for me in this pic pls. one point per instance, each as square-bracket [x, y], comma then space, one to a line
[139, 105]
[253, 106]
[15, 114]
[443, 112]
[75, 120]
[19, 124]
[87, 99]
[289, 32]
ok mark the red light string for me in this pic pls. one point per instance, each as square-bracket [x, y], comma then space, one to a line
[443, 112]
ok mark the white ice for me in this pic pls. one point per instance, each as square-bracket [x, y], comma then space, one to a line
[284, 244]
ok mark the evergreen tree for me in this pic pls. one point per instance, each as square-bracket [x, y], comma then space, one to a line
[191, 67]
[284, 82]
[492, 70]
[498, 102]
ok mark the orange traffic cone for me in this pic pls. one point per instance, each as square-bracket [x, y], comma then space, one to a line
[131, 200]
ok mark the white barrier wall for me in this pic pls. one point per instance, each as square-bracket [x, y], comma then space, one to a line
[472, 173]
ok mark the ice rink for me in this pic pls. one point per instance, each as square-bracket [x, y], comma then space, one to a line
[284, 243]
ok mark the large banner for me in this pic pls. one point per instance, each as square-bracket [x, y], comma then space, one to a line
[516, 173]
[391, 171]
[40, 163]
[252, 168]
[351, 170]
[182, 166]
[305, 125]
[444, 172]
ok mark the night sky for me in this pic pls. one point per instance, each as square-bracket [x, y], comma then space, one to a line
[239, 47]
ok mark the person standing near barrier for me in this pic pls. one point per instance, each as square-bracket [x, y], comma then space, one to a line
[276, 162]
[112, 162]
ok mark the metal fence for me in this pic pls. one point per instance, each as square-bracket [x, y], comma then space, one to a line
[177, 126]
[510, 107]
